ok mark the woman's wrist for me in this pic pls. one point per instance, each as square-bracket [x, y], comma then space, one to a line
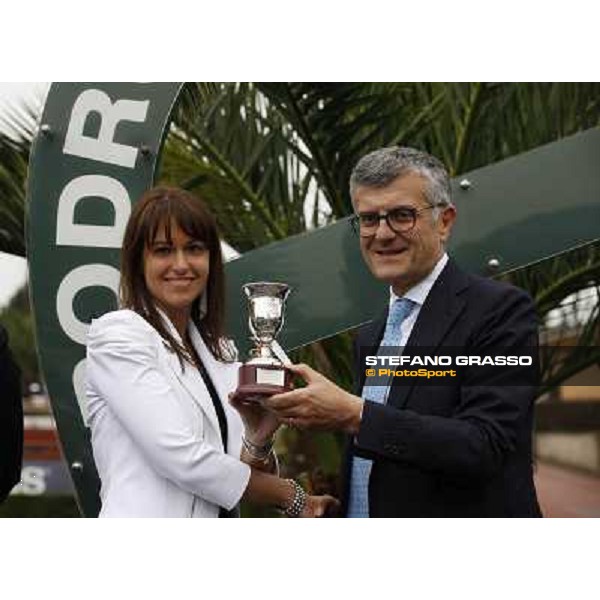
[260, 455]
[257, 444]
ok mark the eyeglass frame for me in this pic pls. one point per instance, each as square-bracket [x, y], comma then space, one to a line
[355, 218]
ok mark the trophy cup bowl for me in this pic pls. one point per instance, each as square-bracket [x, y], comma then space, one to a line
[264, 374]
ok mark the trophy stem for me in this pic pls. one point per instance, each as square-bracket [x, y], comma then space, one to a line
[262, 354]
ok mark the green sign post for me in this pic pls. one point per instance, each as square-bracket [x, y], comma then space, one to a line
[96, 152]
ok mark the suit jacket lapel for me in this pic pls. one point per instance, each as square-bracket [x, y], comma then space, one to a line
[440, 310]
[442, 307]
[223, 375]
[368, 343]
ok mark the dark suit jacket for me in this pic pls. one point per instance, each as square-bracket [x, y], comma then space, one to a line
[11, 419]
[453, 450]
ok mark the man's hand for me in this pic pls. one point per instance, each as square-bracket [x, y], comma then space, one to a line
[320, 506]
[319, 405]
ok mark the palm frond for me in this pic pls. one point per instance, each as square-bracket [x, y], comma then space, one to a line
[236, 155]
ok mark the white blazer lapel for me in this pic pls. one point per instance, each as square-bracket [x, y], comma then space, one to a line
[192, 381]
[224, 377]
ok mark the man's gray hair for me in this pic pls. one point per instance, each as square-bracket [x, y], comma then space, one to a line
[380, 167]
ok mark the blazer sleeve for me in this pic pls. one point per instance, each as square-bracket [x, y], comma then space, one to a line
[11, 419]
[488, 418]
[123, 368]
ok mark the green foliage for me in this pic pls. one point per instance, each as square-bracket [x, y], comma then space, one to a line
[566, 288]
[231, 147]
[18, 321]
[14, 155]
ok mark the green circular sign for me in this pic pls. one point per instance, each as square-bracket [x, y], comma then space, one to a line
[96, 152]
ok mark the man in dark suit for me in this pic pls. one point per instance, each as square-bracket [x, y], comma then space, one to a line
[11, 419]
[461, 448]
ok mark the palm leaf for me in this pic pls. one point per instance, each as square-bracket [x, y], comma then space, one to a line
[14, 155]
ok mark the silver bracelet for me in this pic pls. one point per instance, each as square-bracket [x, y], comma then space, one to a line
[255, 451]
[299, 501]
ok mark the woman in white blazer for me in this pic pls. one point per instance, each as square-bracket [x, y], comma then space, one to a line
[159, 372]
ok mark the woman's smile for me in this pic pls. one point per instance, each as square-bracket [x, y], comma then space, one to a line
[176, 269]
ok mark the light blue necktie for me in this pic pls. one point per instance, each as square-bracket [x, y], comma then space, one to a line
[358, 504]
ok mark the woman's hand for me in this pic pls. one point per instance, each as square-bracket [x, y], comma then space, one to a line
[320, 506]
[260, 423]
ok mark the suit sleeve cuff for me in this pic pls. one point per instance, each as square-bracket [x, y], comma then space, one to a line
[385, 432]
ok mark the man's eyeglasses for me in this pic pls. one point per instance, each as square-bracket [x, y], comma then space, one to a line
[399, 220]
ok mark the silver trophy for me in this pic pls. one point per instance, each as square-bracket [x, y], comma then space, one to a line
[264, 374]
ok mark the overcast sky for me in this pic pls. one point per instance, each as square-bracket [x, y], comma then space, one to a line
[13, 270]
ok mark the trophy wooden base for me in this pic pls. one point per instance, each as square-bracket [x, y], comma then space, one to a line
[257, 381]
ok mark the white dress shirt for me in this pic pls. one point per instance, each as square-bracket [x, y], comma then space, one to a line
[418, 294]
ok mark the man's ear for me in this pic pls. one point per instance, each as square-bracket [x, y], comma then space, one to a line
[446, 222]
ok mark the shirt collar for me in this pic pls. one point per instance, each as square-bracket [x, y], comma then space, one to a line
[419, 292]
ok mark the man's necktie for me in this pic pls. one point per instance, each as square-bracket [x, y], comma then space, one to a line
[358, 504]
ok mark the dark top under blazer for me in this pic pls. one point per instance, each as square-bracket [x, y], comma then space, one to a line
[453, 451]
[11, 419]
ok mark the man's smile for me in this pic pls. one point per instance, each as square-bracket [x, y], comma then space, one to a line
[386, 252]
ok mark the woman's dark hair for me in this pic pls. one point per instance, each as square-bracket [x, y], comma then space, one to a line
[164, 207]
